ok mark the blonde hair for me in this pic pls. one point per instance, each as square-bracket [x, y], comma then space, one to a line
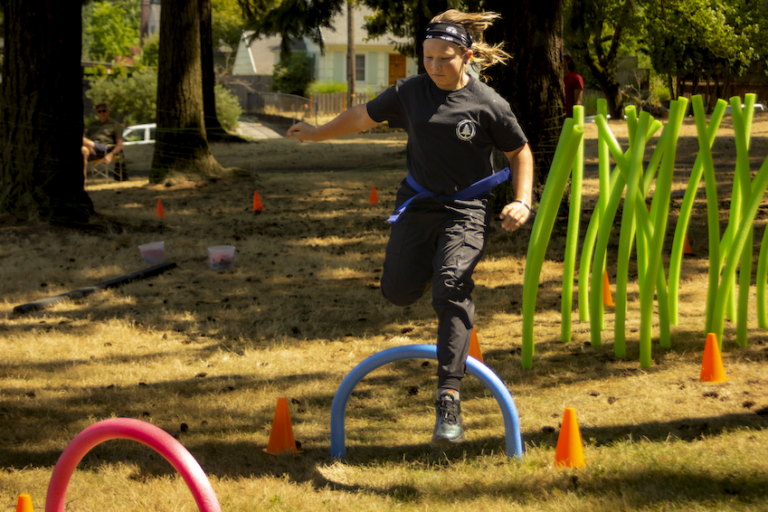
[483, 54]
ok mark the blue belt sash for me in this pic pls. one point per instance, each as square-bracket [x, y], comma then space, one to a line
[477, 189]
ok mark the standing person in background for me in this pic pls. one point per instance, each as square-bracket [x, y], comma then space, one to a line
[442, 214]
[574, 85]
[103, 139]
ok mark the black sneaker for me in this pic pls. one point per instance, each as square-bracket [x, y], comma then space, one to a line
[449, 427]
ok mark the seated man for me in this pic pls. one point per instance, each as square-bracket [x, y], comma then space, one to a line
[103, 139]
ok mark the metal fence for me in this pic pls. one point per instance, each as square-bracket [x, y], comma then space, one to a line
[255, 98]
[334, 103]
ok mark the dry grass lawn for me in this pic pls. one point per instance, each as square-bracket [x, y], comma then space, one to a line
[205, 355]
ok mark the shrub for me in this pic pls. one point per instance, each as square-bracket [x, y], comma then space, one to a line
[133, 99]
[326, 87]
[228, 108]
[150, 52]
[292, 75]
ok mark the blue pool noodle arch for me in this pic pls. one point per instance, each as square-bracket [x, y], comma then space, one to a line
[474, 367]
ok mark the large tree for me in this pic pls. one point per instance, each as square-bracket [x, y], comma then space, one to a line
[532, 81]
[41, 108]
[181, 144]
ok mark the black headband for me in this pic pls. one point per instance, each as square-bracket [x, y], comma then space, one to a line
[450, 32]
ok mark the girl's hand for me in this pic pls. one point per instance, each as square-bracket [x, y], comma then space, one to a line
[514, 215]
[301, 131]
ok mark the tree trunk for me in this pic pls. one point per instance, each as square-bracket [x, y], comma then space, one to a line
[181, 144]
[213, 128]
[532, 81]
[350, 55]
[41, 167]
[606, 79]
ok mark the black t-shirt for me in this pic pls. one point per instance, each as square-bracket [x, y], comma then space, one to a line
[450, 133]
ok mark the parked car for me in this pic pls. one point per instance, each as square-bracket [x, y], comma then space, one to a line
[758, 108]
[139, 134]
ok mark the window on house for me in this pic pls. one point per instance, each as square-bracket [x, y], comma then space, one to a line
[360, 68]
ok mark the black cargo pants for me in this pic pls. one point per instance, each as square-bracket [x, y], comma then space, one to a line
[439, 242]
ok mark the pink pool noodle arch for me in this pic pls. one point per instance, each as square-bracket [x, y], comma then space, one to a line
[135, 430]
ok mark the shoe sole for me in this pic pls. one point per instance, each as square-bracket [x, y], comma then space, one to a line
[444, 441]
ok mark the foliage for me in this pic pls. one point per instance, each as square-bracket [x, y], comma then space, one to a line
[595, 31]
[227, 23]
[659, 90]
[293, 74]
[228, 109]
[292, 19]
[709, 37]
[110, 28]
[326, 87]
[150, 53]
[403, 18]
[132, 99]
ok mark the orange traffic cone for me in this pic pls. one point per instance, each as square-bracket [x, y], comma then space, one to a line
[474, 347]
[712, 364]
[159, 211]
[257, 207]
[281, 437]
[607, 297]
[374, 200]
[24, 504]
[570, 450]
[687, 246]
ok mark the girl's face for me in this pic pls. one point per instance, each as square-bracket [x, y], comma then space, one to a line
[445, 63]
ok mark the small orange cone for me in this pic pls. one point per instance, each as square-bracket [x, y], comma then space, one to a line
[687, 246]
[570, 450]
[474, 347]
[712, 364]
[24, 504]
[159, 211]
[607, 297]
[281, 437]
[257, 207]
[374, 200]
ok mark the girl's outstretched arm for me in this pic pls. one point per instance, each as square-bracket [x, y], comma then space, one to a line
[353, 120]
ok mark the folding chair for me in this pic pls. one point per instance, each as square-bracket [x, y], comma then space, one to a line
[116, 168]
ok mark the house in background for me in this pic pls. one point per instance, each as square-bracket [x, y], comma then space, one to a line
[377, 62]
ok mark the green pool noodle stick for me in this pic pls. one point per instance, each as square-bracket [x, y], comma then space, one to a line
[625, 236]
[713, 214]
[742, 131]
[557, 179]
[572, 237]
[762, 283]
[681, 229]
[606, 224]
[585, 263]
[661, 205]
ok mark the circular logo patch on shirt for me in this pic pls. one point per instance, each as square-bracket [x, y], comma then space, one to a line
[466, 130]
